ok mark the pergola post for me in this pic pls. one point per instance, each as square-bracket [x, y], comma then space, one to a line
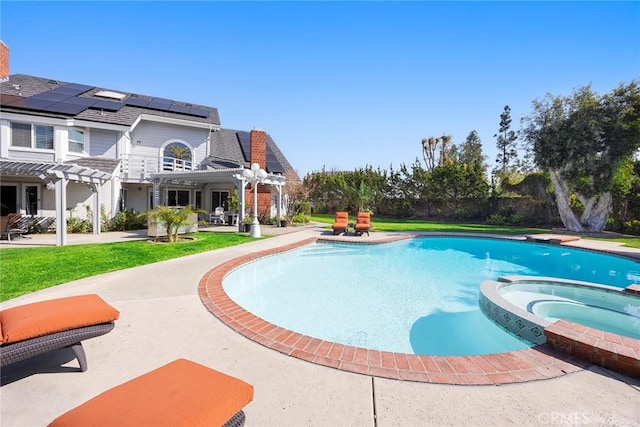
[96, 208]
[61, 212]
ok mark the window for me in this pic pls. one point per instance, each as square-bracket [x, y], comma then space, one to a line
[219, 198]
[31, 136]
[198, 197]
[176, 156]
[178, 198]
[76, 140]
[31, 199]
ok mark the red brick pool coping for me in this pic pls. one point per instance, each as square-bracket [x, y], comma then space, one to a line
[536, 363]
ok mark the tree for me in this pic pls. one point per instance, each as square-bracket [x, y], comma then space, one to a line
[506, 144]
[471, 152]
[582, 140]
[294, 193]
[429, 147]
[172, 218]
[440, 146]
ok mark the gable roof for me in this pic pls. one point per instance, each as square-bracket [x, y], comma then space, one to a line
[227, 152]
[52, 98]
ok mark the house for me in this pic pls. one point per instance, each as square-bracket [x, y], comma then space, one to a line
[87, 151]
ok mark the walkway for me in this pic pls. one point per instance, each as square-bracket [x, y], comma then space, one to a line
[162, 318]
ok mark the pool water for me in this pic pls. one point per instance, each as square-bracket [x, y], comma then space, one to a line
[416, 296]
[608, 310]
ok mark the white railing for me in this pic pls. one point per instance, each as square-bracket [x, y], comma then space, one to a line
[141, 167]
[169, 164]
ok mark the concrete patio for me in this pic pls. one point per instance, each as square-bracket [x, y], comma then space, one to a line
[162, 318]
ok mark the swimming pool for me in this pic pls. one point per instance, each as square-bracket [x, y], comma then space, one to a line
[421, 294]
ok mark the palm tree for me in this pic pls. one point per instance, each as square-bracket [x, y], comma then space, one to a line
[172, 218]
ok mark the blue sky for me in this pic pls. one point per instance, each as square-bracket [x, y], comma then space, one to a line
[339, 85]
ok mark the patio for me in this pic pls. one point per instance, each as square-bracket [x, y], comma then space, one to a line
[162, 318]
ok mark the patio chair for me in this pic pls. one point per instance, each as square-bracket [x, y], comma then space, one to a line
[340, 223]
[363, 223]
[217, 217]
[13, 227]
[33, 329]
[181, 393]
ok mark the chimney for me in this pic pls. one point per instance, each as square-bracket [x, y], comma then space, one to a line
[259, 148]
[258, 155]
[4, 61]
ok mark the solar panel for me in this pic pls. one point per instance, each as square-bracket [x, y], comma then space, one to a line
[37, 104]
[160, 104]
[273, 165]
[198, 112]
[64, 99]
[66, 108]
[52, 96]
[78, 87]
[87, 102]
[244, 138]
[137, 102]
[179, 108]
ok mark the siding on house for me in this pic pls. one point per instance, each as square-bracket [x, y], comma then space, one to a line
[103, 143]
[153, 136]
[31, 155]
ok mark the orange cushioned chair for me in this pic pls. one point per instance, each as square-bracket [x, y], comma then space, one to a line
[181, 393]
[32, 329]
[363, 223]
[341, 223]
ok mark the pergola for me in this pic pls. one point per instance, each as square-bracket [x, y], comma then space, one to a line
[56, 176]
[211, 176]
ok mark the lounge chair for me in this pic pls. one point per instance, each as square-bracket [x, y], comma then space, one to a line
[13, 227]
[181, 393]
[217, 216]
[32, 329]
[363, 223]
[341, 223]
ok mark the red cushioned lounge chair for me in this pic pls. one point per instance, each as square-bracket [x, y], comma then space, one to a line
[32, 329]
[341, 223]
[363, 223]
[181, 393]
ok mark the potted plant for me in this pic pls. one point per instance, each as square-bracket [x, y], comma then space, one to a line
[246, 222]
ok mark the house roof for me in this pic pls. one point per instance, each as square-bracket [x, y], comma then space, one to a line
[53, 98]
[227, 152]
[99, 163]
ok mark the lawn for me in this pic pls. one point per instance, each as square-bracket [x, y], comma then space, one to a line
[390, 224]
[27, 270]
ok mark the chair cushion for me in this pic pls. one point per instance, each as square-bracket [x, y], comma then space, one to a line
[181, 393]
[56, 315]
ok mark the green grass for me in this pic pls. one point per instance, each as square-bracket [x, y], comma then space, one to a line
[27, 270]
[390, 224]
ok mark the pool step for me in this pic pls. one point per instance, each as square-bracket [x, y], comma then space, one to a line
[329, 250]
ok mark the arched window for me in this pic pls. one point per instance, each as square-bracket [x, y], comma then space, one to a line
[177, 156]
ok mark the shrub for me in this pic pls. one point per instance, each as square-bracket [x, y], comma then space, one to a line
[632, 227]
[127, 220]
[301, 218]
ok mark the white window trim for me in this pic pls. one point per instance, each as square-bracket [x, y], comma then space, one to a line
[85, 145]
[33, 137]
